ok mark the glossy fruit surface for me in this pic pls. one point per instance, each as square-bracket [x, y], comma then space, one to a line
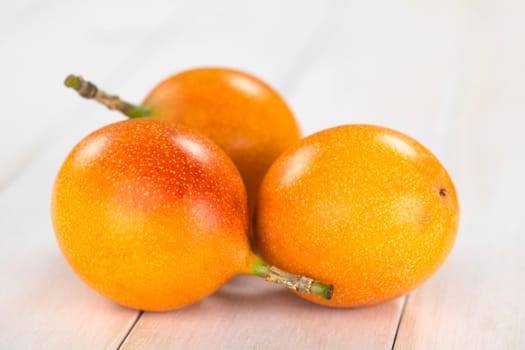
[242, 114]
[151, 214]
[366, 208]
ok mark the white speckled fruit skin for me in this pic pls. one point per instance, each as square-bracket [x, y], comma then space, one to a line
[360, 207]
[151, 214]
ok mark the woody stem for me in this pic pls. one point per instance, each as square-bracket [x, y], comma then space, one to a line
[89, 90]
[301, 284]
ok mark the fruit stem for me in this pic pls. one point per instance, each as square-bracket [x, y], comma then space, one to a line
[301, 284]
[89, 90]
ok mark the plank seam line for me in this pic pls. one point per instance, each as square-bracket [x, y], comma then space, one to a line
[139, 315]
[403, 308]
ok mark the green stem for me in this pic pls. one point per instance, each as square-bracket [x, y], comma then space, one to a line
[89, 90]
[298, 283]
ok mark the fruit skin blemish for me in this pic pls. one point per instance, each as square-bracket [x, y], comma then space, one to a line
[365, 207]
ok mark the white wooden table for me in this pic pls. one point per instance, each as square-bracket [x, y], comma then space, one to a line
[451, 73]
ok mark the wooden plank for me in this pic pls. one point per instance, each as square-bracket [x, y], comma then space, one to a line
[249, 313]
[476, 300]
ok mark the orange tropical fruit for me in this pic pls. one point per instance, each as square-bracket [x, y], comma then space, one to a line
[366, 208]
[155, 216]
[246, 117]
